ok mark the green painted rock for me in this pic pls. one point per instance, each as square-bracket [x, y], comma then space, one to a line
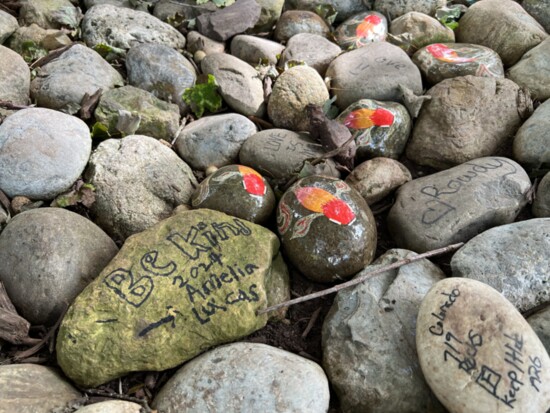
[327, 229]
[192, 281]
[380, 128]
[362, 29]
[441, 61]
[131, 110]
[237, 190]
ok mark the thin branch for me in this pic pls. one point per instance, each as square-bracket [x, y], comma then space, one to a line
[13, 106]
[362, 278]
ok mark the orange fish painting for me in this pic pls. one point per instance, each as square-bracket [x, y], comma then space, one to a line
[369, 26]
[252, 181]
[321, 201]
[367, 118]
[446, 54]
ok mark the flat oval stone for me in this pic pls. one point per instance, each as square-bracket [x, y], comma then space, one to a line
[532, 71]
[47, 257]
[467, 117]
[246, 377]
[8, 25]
[279, 153]
[531, 145]
[293, 22]
[190, 282]
[161, 70]
[361, 29]
[62, 83]
[521, 273]
[197, 41]
[294, 89]
[15, 77]
[31, 388]
[253, 49]
[124, 28]
[111, 406]
[457, 204]
[42, 152]
[373, 71]
[138, 182]
[377, 178]
[236, 190]
[369, 333]
[327, 229]
[396, 8]
[214, 140]
[155, 117]
[478, 353]
[380, 128]
[502, 25]
[440, 61]
[239, 83]
[314, 50]
[420, 30]
[541, 206]
[344, 8]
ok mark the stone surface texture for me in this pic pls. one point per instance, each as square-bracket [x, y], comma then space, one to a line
[374, 71]
[124, 28]
[481, 326]
[8, 25]
[513, 259]
[161, 70]
[466, 118]
[253, 49]
[457, 204]
[62, 83]
[214, 140]
[293, 91]
[48, 256]
[501, 25]
[314, 50]
[531, 145]
[369, 349]
[155, 306]
[50, 14]
[397, 8]
[111, 406]
[532, 71]
[293, 22]
[540, 323]
[15, 77]
[541, 206]
[239, 83]
[246, 377]
[138, 181]
[377, 178]
[42, 152]
[229, 21]
[31, 388]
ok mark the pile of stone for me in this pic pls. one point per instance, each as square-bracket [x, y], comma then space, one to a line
[165, 230]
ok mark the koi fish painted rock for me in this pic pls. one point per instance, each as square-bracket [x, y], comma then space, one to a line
[190, 282]
[478, 353]
[361, 29]
[236, 190]
[327, 229]
[381, 129]
[441, 61]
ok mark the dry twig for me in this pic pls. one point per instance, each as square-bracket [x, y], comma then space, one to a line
[361, 278]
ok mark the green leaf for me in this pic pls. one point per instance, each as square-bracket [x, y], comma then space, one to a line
[329, 109]
[81, 193]
[449, 16]
[100, 131]
[327, 12]
[203, 96]
[109, 53]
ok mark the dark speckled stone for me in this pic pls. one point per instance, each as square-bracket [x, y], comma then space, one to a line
[236, 190]
[327, 229]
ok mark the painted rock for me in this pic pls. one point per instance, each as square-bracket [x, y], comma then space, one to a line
[192, 281]
[380, 128]
[440, 61]
[362, 29]
[457, 204]
[327, 229]
[236, 190]
[478, 353]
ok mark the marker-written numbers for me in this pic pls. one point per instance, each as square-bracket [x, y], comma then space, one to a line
[210, 286]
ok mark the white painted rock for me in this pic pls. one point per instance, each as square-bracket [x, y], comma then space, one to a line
[246, 377]
[478, 353]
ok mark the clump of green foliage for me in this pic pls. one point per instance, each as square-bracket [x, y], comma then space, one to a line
[203, 96]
